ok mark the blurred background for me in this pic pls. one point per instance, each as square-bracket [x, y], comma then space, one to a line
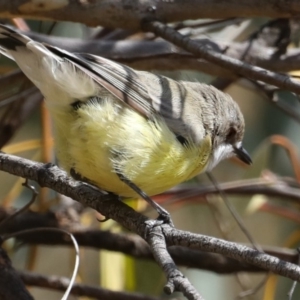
[272, 138]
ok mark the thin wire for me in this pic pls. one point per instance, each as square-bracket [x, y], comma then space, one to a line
[24, 208]
[77, 258]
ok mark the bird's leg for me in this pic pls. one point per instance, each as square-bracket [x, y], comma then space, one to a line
[164, 216]
[79, 177]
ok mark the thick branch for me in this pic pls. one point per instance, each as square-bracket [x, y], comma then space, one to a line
[110, 206]
[48, 175]
[128, 244]
[233, 250]
[128, 14]
[52, 177]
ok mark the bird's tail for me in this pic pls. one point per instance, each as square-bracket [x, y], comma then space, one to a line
[11, 40]
[33, 58]
[49, 68]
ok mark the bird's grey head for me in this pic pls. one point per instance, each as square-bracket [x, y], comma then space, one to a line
[227, 128]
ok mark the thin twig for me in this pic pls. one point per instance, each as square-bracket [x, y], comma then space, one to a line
[176, 280]
[254, 290]
[61, 283]
[234, 213]
[24, 208]
[234, 65]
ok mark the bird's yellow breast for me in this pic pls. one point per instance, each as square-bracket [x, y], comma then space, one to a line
[102, 138]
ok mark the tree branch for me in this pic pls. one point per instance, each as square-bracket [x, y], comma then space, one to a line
[52, 177]
[61, 283]
[162, 55]
[176, 280]
[237, 66]
[128, 244]
[233, 250]
[117, 13]
[279, 187]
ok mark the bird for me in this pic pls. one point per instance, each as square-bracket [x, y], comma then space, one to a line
[131, 133]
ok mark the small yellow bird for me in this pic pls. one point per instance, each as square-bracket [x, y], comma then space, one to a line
[128, 132]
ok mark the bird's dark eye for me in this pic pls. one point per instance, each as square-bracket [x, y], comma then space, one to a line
[182, 140]
[231, 134]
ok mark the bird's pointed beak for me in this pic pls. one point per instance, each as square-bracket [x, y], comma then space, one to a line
[243, 155]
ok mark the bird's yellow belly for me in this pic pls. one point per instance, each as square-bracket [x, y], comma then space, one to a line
[99, 140]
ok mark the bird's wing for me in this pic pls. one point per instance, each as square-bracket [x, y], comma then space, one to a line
[148, 94]
[123, 82]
